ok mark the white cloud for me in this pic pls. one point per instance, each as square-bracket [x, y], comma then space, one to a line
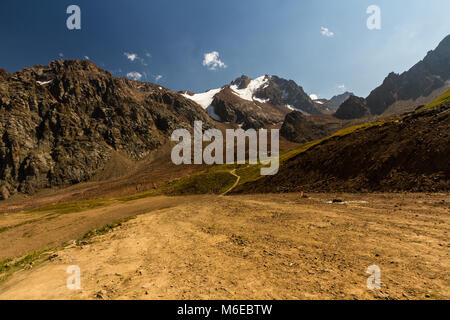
[212, 61]
[134, 75]
[341, 87]
[313, 96]
[135, 57]
[131, 56]
[326, 32]
[158, 77]
[61, 54]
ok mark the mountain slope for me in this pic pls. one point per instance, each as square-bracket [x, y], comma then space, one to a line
[338, 100]
[353, 108]
[409, 154]
[279, 91]
[301, 128]
[428, 75]
[325, 106]
[445, 97]
[59, 124]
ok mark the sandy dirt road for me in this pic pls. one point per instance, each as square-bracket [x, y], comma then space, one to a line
[251, 247]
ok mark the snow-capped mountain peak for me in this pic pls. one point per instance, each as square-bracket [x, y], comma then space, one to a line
[255, 103]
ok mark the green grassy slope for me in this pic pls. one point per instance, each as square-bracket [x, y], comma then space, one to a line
[443, 98]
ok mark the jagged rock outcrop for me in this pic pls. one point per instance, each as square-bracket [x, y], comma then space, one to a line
[4, 74]
[279, 91]
[420, 81]
[353, 108]
[59, 123]
[242, 82]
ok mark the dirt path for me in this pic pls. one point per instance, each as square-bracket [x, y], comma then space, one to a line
[22, 233]
[238, 178]
[254, 247]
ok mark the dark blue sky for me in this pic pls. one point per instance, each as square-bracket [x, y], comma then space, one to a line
[252, 37]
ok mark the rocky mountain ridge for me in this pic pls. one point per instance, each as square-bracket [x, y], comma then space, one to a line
[430, 74]
[60, 123]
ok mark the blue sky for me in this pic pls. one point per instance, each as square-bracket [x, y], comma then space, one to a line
[252, 37]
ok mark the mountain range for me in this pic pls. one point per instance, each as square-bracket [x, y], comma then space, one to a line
[62, 124]
[266, 100]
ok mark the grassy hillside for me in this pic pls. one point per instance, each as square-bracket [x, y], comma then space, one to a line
[443, 98]
[215, 180]
[407, 154]
[252, 172]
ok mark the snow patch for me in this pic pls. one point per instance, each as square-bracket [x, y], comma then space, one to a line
[41, 83]
[204, 99]
[291, 107]
[260, 100]
[253, 86]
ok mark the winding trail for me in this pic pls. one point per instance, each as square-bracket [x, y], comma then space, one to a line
[238, 178]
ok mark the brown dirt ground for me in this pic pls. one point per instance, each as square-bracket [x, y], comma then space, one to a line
[243, 247]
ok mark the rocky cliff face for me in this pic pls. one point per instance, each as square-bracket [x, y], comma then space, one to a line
[59, 123]
[230, 108]
[420, 81]
[283, 92]
[353, 108]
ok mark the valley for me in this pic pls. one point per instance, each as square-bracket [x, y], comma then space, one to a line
[273, 246]
[92, 179]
